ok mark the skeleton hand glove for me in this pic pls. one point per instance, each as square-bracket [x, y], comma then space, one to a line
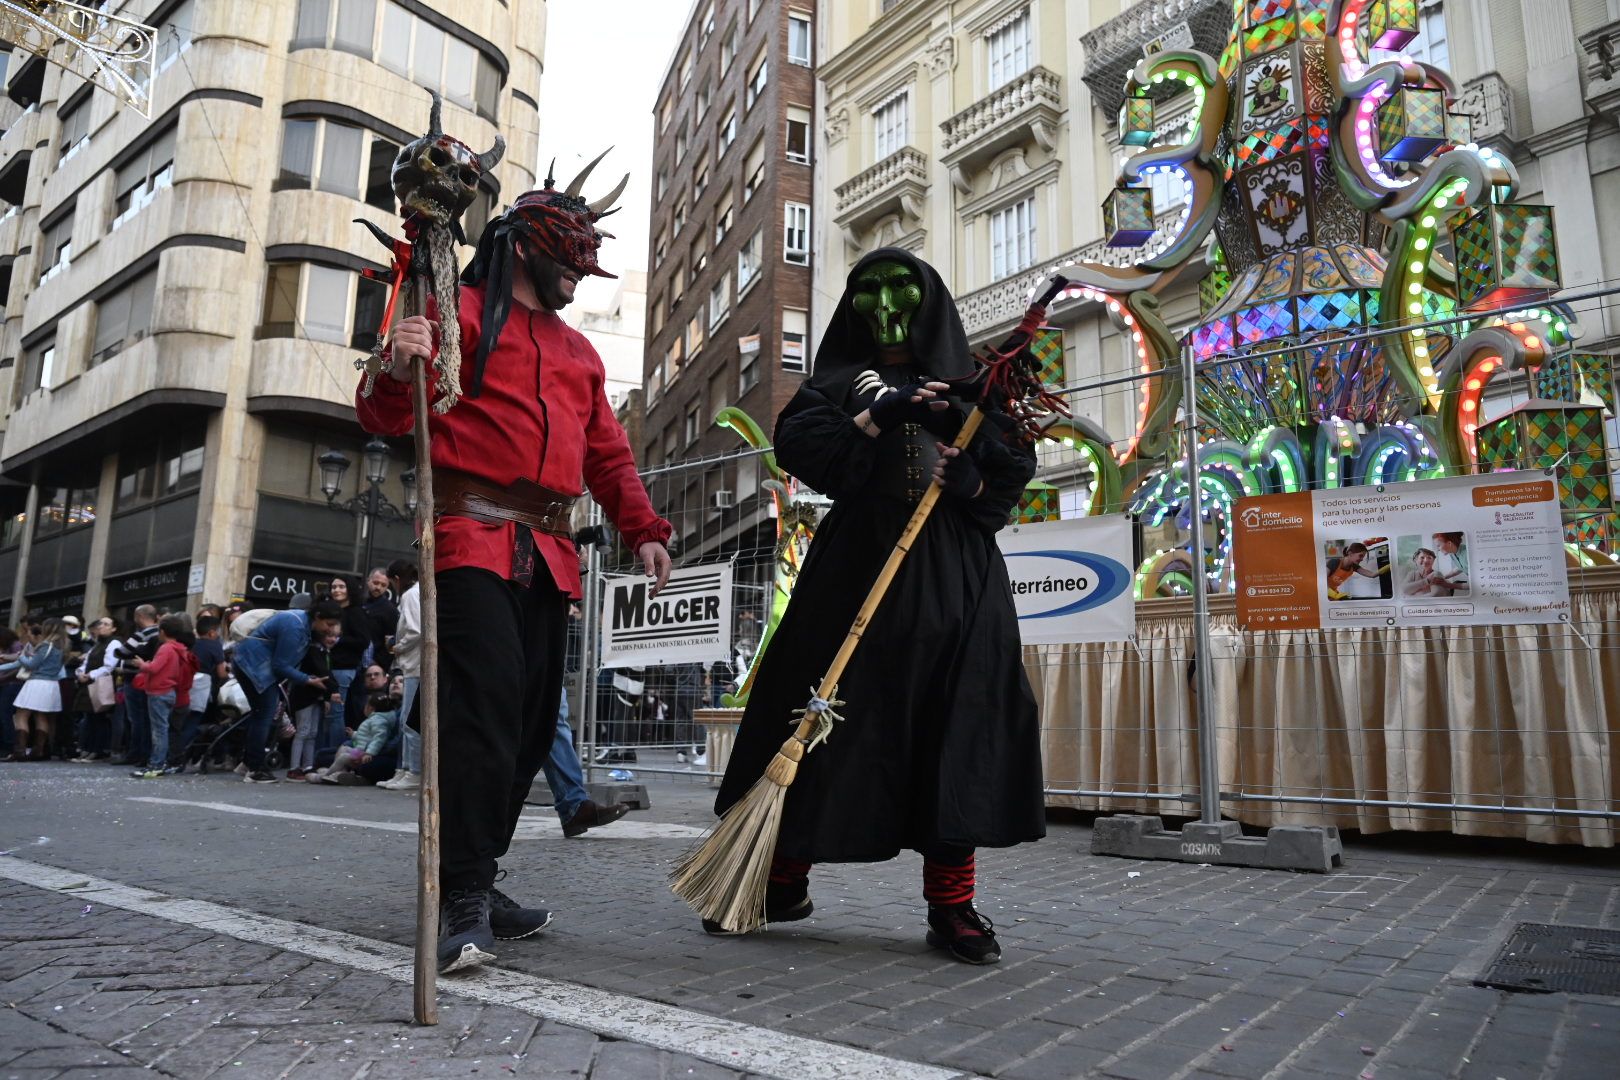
[896, 407]
[959, 474]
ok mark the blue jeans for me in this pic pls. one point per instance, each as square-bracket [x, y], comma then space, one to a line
[262, 706]
[140, 726]
[411, 751]
[563, 771]
[189, 723]
[158, 708]
[332, 735]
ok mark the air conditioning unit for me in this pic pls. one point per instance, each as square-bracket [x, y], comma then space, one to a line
[723, 500]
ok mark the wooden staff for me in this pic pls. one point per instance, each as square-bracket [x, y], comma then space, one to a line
[427, 693]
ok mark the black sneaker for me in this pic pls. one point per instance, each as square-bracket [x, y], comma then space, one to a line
[260, 776]
[964, 933]
[465, 937]
[510, 920]
[783, 903]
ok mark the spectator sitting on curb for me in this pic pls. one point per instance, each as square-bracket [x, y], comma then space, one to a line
[366, 745]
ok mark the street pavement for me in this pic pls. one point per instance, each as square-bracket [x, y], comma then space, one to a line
[197, 926]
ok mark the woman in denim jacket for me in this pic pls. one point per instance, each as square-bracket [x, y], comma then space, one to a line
[40, 700]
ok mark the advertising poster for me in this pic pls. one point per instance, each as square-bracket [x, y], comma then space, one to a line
[690, 621]
[1466, 551]
[1071, 580]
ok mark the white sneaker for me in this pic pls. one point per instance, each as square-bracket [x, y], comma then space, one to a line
[242, 769]
[405, 781]
[680, 757]
[701, 761]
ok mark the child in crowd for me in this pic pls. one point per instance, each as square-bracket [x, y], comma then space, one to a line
[308, 704]
[369, 740]
[166, 680]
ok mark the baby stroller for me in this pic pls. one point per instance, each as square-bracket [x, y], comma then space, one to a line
[225, 739]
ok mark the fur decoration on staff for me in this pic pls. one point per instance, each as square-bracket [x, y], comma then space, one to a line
[723, 878]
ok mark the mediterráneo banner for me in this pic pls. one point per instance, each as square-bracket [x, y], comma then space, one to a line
[1071, 580]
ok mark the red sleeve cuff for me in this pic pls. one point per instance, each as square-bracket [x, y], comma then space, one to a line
[658, 532]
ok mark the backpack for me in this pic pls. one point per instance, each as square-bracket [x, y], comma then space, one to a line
[243, 625]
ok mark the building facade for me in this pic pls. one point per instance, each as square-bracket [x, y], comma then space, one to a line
[618, 333]
[983, 135]
[730, 259]
[184, 302]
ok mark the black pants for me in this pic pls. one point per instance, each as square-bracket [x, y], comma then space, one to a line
[501, 651]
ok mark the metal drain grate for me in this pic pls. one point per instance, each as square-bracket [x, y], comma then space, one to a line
[1544, 958]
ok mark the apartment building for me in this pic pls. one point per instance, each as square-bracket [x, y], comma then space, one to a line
[730, 255]
[183, 295]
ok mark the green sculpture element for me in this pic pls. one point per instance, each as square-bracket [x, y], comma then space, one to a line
[888, 294]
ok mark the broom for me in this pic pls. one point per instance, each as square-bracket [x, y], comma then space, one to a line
[723, 878]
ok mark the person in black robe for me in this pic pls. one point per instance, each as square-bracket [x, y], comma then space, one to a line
[939, 749]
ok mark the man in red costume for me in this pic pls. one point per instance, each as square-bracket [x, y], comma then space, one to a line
[533, 429]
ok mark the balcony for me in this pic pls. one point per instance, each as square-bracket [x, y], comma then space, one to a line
[1489, 100]
[897, 184]
[16, 150]
[1115, 47]
[1603, 68]
[1029, 107]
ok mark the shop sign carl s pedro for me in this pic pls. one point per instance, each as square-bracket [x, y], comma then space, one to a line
[1465, 551]
[688, 622]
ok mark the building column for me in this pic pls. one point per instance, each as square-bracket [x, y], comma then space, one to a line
[229, 506]
[19, 592]
[1554, 73]
[939, 215]
[95, 572]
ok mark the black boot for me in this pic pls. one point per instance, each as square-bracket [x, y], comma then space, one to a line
[964, 933]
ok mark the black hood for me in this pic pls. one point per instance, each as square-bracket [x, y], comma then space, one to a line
[936, 334]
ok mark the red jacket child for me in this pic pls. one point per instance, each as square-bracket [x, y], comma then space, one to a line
[171, 669]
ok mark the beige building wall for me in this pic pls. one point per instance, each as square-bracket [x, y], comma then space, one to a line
[618, 333]
[212, 361]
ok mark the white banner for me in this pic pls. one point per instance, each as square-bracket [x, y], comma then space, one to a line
[690, 621]
[1071, 580]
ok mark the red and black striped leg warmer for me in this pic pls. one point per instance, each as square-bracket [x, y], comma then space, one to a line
[948, 877]
[786, 872]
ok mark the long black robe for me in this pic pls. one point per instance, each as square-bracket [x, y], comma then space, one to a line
[941, 741]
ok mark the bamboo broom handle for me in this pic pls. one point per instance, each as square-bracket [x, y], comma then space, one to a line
[427, 692]
[874, 597]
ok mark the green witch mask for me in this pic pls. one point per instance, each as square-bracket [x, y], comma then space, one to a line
[888, 293]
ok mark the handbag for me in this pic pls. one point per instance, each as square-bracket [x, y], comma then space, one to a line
[103, 694]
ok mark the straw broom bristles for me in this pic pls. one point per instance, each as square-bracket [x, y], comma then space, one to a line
[724, 878]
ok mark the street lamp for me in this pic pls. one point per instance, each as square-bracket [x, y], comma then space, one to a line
[371, 505]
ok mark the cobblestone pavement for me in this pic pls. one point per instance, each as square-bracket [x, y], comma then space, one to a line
[1115, 968]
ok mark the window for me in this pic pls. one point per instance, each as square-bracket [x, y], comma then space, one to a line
[123, 318]
[753, 9]
[671, 447]
[672, 359]
[427, 58]
[12, 528]
[340, 149]
[666, 113]
[748, 365]
[314, 16]
[799, 39]
[704, 94]
[722, 219]
[680, 143]
[39, 368]
[796, 234]
[694, 335]
[356, 24]
[322, 303]
[700, 257]
[749, 261]
[795, 329]
[700, 177]
[663, 182]
[720, 301]
[75, 128]
[679, 220]
[1012, 239]
[140, 180]
[394, 46]
[728, 131]
[694, 421]
[708, 26]
[728, 48]
[661, 247]
[1009, 49]
[891, 121]
[798, 134]
[165, 466]
[718, 385]
[655, 383]
[56, 248]
[657, 315]
[754, 170]
[1169, 191]
[174, 38]
[62, 509]
[757, 80]
[686, 70]
[677, 287]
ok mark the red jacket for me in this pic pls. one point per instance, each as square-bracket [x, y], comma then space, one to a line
[171, 669]
[543, 415]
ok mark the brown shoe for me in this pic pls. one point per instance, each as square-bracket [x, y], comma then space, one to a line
[591, 816]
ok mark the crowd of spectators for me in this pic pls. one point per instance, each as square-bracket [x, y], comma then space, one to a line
[324, 688]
